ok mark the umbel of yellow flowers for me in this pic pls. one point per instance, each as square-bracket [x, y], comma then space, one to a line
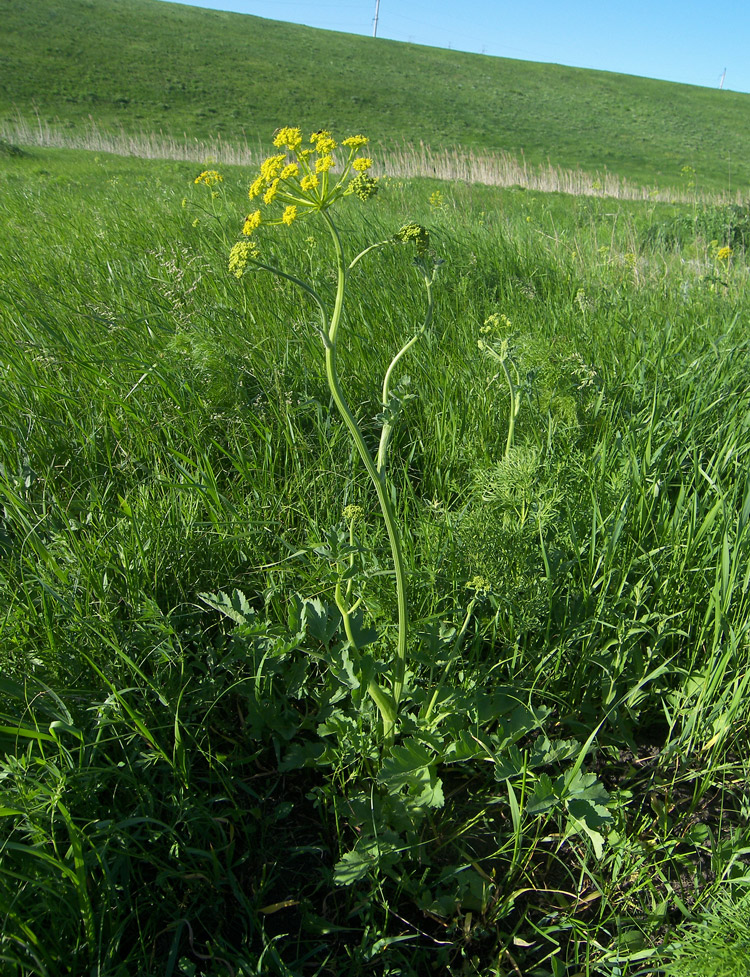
[299, 181]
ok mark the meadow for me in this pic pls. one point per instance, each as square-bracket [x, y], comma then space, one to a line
[194, 779]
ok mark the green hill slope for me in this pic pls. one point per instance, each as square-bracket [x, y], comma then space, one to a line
[150, 65]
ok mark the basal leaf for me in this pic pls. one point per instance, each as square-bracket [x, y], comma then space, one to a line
[406, 765]
[432, 794]
[343, 666]
[412, 765]
[544, 797]
[236, 607]
[319, 620]
[508, 764]
[352, 867]
[587, 786]
[546, 751]
[363, 635]
[588, 813]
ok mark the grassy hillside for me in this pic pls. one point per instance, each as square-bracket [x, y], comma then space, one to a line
[147, 65]
[195, 789]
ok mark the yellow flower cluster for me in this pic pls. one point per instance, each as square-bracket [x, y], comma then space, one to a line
[355, 142]
[480, 584]
[241, 253]
[497, 322]
[495, 330]
[251, 222]
[724, 254]
[302, 180]
[209, 177]
[288, 138]
[324, 142]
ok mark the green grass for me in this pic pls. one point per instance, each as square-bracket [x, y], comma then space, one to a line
[239, 76]
[185, 791]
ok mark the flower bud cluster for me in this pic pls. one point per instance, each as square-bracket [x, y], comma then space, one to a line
[414, 234]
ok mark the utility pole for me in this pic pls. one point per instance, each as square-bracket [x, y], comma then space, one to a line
[375, 21]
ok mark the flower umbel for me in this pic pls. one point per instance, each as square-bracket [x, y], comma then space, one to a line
[414, 234]
[209, 177]
[363, 186]
[302, 180]
[353, 514]
[288, 138]
[251, 222]
[240, 255]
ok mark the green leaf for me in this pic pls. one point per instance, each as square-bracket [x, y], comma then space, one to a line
[336, 547]
[432, 795]
[58, 726]
[369, 854]
[509, 765]
[465, 747]
[547, 752]
[343, 667]
[544, 797]
[586, 786]
[302, 755]
[586, 801]
[363, 635]
[319, 620]
[596, 837]
[406, 766]
[412, 766]
[588, 813]
[236, 607]
[352, 867]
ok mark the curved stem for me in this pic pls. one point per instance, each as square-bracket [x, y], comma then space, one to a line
[386, 507]
[385, 434]
[296, 281]
[513, 394]
[372, 247]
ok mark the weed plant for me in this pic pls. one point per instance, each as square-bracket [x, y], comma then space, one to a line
[187, 785]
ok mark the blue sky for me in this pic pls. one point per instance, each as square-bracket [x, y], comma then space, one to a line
[687, 41]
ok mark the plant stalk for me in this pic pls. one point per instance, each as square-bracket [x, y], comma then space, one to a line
[378, 480]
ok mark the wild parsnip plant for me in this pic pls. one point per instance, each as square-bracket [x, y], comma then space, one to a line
[498, 348]
[303, 180]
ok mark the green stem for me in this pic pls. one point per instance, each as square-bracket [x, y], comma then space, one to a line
[378, 482]
[386, 705]
[385, 434]
[513, 408]
[372, 247]
[454, 655]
